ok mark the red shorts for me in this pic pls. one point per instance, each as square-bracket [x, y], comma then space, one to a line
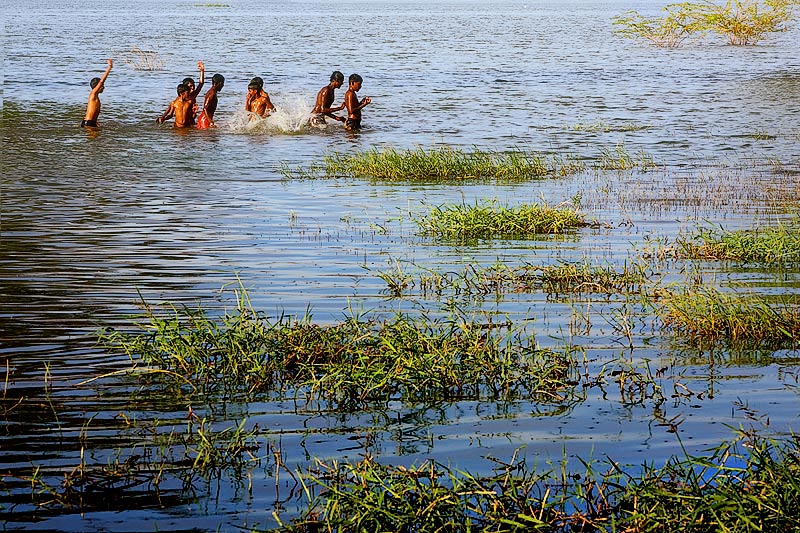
[203, 121]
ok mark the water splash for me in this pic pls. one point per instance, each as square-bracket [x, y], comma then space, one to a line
[290, 118]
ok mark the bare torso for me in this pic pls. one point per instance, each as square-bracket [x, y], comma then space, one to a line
[351, 102]
[324, 99]
[93, 107]
[210, 103]
[184, 112]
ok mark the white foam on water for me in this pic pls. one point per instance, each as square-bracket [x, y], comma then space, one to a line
[290, 118]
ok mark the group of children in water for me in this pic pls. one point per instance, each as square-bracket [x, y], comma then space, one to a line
[184, 108]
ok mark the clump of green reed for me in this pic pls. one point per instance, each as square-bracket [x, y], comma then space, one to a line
[563, 277]
[779, 244]
[444, 163]
[751, 484]
[348, 364]
[488, 219]
[369, 496]
[711, 315]
[582, 277]
[619, 158]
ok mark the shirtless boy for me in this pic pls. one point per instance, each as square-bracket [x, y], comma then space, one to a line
[206, 118]
[93, 106]
[257, 99]
[325, 97]
[194, 91]
[354, 106]
[180, 108]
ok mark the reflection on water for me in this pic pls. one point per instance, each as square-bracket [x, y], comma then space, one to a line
[95, 221]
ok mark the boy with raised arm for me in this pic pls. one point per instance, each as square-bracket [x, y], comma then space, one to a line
[93, 105]
[206, 118]
[194, 91]
[180, 108]
[325, 96]
[354, 106]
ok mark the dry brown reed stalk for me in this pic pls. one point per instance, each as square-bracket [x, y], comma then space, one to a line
[139, 59]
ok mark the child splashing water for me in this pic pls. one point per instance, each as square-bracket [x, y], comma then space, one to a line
[290, 118]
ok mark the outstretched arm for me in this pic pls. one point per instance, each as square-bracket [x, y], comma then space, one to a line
[168, 114]
[99, 86]
[201, 81]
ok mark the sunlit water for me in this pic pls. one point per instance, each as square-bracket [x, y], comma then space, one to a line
[92, 221]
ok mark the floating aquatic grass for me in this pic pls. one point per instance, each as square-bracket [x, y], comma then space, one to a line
[712, 315]
[488, 219]
[563, 277]
[762, 135]
[347, 364]
[769, 245]
[751, 484]
[619, 158]
[444, 163]
[608, 127]
[147, 470]
[763, 188]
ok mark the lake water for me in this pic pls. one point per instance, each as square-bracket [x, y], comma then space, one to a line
[92, 220]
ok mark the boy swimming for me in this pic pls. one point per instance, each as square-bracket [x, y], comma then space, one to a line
[93, 105]
[206, 118]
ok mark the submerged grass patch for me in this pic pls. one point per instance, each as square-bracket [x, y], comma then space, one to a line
[443, 163]
[560, 278]
[770, 245]
[489, 219]
[163, 462]
[619, 158]
[348, 364]
[711, 315]
[602, 126]
[748, 485]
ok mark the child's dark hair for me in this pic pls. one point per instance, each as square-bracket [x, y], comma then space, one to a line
[182, 88]
[188, 81]
[217, 79]
[256, 83]
[337, 76]
[355, 78]
[94, 82]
